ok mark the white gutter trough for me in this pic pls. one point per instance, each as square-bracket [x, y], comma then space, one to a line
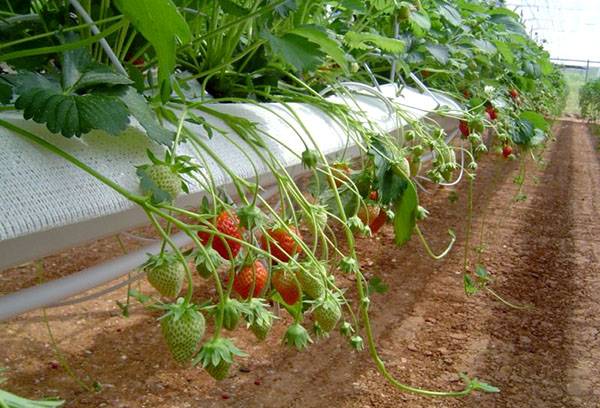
[47, 204]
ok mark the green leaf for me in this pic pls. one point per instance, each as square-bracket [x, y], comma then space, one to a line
[505, 51]
[73, 115]
[469, 285]
[484, 46]
[6, 92]
[421, 19]
[364, 41]
[162, 25]
[328, 43]
[439, 52]
[304, 55]
[95, 78]
[139, 108]
[536, 119]
[450, 14]
[405, 210]
[232, 8]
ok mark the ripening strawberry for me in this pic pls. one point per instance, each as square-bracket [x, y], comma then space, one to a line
[182, 327]
[506, 151]
[285, 284]
[228, 224]
[311, 283]
[341, 171]
[466, 93]
[327, 314]
[280, 243]
[513, 93]
[463, 126]
[492, 112]
[368, 213]
[165, 179]
[378, 222]
[166, 274]
[252, 275]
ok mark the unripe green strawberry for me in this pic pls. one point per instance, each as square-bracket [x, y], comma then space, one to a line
[182, 327]
[218, 372]
[165, 179]
[258, 317]
[327, 314]
[311, 282]
[231, 314]
[216, 357]
[165, 273]
[260, 330]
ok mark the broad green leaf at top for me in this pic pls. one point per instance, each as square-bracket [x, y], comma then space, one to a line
[162, 25]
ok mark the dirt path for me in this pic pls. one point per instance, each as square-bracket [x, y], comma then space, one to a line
[543, 251]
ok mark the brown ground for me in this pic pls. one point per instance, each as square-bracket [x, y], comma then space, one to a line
[543, 251]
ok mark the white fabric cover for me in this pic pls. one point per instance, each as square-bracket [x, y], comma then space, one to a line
[47, 204]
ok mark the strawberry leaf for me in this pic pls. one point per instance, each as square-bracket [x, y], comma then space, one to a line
[303, 54]
[405, 210]
[162, 25]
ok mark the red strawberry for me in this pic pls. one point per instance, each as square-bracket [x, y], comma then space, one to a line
[280, 237]
[513, 93]
[369, 214]
[228, 224]
[252, 275]
[378, 222]
[463, 126]
[373, 195]
[506, 151]
[285, 284]
[492, 113]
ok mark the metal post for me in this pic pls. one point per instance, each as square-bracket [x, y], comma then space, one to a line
[587, 70]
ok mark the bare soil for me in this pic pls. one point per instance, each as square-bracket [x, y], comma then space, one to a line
[542, 251]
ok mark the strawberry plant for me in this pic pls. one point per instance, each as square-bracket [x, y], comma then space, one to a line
[74, 77]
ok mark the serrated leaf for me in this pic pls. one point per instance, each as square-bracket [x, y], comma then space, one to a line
[94, 78]
[329, 45]
[297, 51]
[161, 24]
[139, 108]
[364, 41]
[73, 115]
[439, 52]
[405, 210]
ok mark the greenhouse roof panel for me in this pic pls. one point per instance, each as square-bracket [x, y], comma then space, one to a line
[569, 28]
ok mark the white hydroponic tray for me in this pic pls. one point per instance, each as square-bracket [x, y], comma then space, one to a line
[48, 204]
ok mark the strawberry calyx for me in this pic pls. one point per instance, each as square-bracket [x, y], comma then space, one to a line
[216, 356]
[206, 261]
[297, 336]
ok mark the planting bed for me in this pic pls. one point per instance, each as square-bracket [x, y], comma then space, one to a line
[543, 251]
